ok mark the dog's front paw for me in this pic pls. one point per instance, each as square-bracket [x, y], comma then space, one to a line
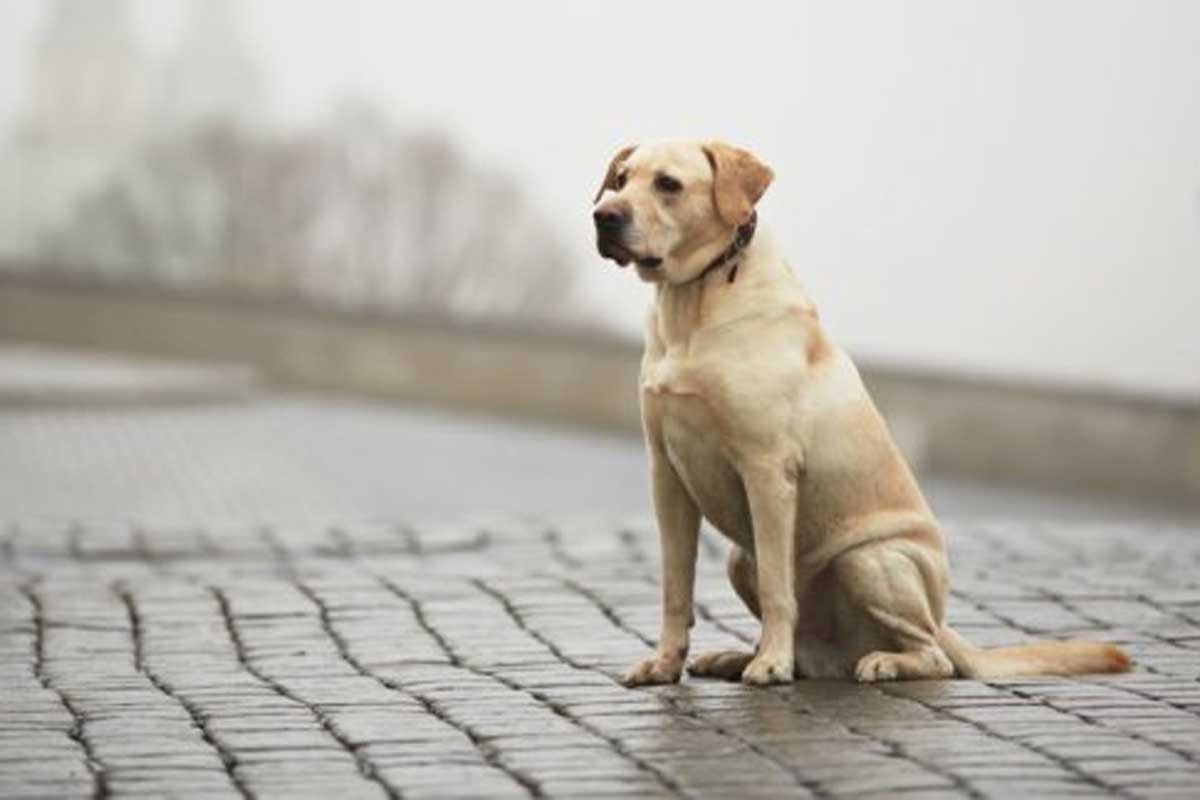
[655, 670]
[877, 666]
[767, 668]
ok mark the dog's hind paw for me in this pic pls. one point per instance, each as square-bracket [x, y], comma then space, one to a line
[877, 666]
[727, 665]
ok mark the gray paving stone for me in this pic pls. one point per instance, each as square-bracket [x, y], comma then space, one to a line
[262, 659]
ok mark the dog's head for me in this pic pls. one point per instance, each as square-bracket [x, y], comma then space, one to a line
[672, 207]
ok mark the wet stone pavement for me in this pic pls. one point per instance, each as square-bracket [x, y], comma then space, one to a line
[386, 660]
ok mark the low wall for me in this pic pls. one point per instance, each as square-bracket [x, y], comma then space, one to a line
[1051, 437]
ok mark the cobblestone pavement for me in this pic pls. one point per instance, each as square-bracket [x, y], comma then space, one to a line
[382, 660]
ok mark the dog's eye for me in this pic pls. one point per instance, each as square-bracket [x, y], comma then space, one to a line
[619, 181]
[665, 183]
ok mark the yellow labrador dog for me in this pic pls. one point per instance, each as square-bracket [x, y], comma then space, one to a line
[756, 422]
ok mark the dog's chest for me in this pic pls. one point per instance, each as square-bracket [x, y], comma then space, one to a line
[669, 374]
[677, 397]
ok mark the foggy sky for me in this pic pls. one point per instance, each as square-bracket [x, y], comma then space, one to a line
[1003, 188]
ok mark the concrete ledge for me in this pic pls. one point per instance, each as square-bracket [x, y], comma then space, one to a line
[1047, 437]
[41, 377]
[1052, 437]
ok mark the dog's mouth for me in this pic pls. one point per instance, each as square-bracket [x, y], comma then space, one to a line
[624, 256]
[612, 249]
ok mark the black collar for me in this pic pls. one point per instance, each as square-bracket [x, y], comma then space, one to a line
[745, 233]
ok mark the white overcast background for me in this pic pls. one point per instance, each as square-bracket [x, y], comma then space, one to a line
[1006, 188]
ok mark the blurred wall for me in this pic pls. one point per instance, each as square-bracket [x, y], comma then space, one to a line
[1125, 445]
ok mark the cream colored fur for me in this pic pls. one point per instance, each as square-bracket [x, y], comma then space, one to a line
[756, 422]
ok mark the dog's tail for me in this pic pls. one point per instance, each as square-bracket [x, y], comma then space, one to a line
[1039, 658]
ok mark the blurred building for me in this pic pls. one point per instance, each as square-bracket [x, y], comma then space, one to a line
[84, 107]
[95, 94]
[212, 75]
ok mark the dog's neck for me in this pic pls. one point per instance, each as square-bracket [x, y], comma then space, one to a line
[764, 287]
[711, 298]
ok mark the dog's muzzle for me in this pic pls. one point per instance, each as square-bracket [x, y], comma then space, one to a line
[611, 224]
[610, 230]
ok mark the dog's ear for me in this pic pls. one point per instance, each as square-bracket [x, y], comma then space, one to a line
[739, 180]
[614, 167]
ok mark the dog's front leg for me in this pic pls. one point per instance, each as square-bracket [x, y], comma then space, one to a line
[772, 497]
[678, 530]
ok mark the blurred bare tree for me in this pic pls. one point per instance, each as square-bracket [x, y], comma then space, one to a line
[356, 213]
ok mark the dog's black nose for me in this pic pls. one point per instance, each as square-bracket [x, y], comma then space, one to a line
[609, 219]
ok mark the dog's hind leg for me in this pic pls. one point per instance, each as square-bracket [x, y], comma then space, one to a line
[892, 589]
[729, 664]
[743, 576]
